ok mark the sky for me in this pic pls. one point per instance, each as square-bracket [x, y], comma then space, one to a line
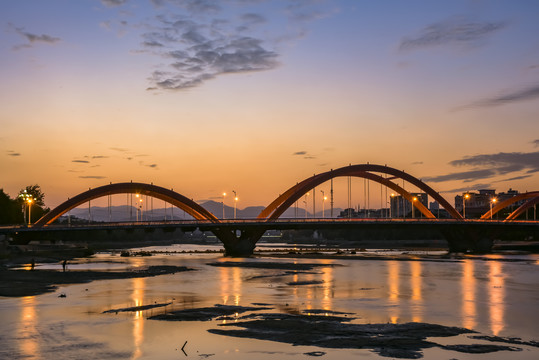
[207, 97]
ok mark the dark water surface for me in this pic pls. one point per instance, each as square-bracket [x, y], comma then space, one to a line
[493, 295]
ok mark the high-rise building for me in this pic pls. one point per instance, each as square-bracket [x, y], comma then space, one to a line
[401, 207]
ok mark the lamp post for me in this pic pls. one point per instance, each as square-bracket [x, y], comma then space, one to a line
[305, 201]
[224, 194]
[413, 210]
[29, 211]
[27, 200]
[492, 201]
[235, 201]
[464, 198]
[390, 205]
[139, 207]
[324, 198]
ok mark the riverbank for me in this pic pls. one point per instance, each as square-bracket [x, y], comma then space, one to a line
[15, 283]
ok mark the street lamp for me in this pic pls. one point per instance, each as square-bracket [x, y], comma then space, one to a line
[224, 194]
[324, 198]
[464, 198]
[235, 201]
[27, 200]
[390, 205]
[305, 201]
[29, 211]
[413, 210]
[492, 201]
[139, 207]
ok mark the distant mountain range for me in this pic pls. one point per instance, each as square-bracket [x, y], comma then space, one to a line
[129, 213]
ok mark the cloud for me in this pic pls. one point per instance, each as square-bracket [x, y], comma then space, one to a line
[33, 38]
[119, 149]
[208, 58]
[529, 93]
[535, 142]
[153, 166]
[253, 19]
[192, 6]
[454, 31]
[198, 40]
[417, 163]
[305, 155]
[13, 153]
[92, 177]
[468, 188]
[510, 161]
[80, 161]
[492, 165]
[471, 175]
[515, 178]
[99, 157]
[113, 3]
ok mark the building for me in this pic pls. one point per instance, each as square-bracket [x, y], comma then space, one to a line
[400, 207]
[478, 203]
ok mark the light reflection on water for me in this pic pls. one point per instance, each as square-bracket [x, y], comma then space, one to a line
[468, 295]
[138, 316]
[497, 295]
[28, 332]
[471, 293]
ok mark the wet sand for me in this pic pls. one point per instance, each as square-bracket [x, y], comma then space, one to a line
[329, 330]
[36, 282]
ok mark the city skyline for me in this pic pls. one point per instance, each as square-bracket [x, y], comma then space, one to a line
[207, 97]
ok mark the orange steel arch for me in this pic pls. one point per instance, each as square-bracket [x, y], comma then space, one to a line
[503, 204]
[188, 205]
[284, 201]
[528, 204]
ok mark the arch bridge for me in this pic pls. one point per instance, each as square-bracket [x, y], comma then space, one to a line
[245, 243]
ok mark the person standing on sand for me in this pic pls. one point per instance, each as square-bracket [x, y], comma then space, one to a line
[64, 265]
[32, 264]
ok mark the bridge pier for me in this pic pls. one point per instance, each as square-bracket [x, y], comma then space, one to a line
[470, 240]
[242, 246]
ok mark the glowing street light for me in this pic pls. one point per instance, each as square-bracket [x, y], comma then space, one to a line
[27, 200]
[324, 198]
[464, 198]
[224, 195]
[29, 211]
[390, 203]
[413, 210]
[139, 207]
[492, 201]
[235, 202]
[305, 202]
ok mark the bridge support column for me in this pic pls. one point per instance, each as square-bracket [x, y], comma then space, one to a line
[242, 246]
[468, 240]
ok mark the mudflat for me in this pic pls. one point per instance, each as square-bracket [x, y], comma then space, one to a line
[35, 282]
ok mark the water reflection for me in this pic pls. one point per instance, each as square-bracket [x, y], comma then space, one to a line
[393, 268]
[28, 329]
[139, 285]
[417, 296]
[231, 284]
[327, 278]
[469, 314]
[496, 296]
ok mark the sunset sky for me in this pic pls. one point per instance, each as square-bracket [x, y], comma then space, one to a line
[209, 96]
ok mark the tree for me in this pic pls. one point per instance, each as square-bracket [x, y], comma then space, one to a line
[35, 192]
[34, 197]
[10, 209]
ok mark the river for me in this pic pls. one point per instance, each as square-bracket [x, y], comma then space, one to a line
[494, 295]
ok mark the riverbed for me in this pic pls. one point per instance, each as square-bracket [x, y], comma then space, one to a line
[496, 296]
